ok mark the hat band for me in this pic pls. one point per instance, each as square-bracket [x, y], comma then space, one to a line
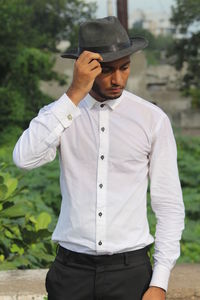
[105, 49]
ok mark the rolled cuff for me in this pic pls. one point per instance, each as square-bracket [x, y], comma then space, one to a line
[160, 277]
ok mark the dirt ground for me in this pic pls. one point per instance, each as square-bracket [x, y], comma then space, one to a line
[185, 283]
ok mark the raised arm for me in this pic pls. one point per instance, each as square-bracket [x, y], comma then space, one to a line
[39, 142]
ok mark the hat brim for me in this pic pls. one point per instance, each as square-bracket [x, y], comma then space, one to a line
[137, 43]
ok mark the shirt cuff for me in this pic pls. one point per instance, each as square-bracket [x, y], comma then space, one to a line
[65, 110]
[160, 277]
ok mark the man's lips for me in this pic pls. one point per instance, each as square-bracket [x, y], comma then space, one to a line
[116, 90]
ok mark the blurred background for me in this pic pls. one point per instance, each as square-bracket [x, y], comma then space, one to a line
[32, 74]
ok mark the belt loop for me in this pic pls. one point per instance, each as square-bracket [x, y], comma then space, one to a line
[126, 259]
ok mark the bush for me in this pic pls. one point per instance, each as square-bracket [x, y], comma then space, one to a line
[25, 229]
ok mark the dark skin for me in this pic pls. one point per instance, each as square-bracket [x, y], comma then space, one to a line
[86, 68]
[104, 81]
[112, 80]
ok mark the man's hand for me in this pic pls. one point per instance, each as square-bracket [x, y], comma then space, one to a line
[86, 69]
[154, 293]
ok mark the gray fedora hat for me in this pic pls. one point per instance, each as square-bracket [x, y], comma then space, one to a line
[107, 37]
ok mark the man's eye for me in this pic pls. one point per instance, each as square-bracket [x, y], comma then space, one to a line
[124, 68]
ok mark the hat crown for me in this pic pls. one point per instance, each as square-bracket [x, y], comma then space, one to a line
[108, 37]
[102, 32]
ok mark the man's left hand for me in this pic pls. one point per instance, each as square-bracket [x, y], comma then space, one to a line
[154, 293]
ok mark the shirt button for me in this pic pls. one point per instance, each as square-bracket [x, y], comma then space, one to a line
[100, 214]
[100, 243]
[102, 157]
[103, 129]
[101, 185]
[102, 105]
[69, 117]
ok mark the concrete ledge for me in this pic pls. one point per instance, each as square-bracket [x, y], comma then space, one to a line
[22, 284]
[30, 284]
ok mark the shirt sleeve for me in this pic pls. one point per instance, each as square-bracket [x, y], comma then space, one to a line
[166, 202]
[38, 144]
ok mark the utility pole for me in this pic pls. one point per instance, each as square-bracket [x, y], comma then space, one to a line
[122, 12]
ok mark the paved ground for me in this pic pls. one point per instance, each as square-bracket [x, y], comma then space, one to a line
[29, 284]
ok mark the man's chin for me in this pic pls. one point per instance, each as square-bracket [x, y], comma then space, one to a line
[109, 94]
[114, 95]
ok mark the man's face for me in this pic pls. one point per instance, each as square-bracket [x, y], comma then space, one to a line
[111, 82]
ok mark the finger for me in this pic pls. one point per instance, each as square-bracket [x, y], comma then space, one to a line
[87, 56]
[94, 64]
[95, 72]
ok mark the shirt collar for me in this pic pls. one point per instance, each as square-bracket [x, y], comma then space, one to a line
[91, 102]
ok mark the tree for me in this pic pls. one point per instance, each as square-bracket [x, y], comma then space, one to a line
[157, 44]
[186, 18]
[29, 33]
[137, 30]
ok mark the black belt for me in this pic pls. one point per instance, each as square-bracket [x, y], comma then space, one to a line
[136, 257]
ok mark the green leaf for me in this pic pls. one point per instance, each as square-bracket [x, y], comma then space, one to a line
[43, 220]
[15, 211]
[17, 262]
[1, 179]
[16, 249]
[11, 184]
[40, 254]
[32, 219]
[15, 230]
[9, 234]
[2, 257]
[3, 191]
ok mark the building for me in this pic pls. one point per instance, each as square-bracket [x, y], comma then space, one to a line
[155, 22]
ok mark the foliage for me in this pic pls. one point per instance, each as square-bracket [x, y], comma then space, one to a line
[157, 44]
[21, 98]
[29, 33]
[25, 231]
[188, 158]
[195, 94]
[138, 31]
[189, 165]
[152, 57]
[186, 18]
[185, 13]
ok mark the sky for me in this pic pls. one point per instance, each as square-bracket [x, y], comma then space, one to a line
[161, 6]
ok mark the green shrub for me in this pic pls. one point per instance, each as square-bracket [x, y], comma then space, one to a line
[25, 231]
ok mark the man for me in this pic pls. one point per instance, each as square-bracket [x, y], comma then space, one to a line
[110, 142]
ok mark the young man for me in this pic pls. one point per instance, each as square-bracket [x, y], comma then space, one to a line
[110, 143]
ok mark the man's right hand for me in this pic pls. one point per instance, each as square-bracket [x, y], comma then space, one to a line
[86, 69]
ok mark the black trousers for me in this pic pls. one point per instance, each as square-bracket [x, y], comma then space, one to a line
[76, 276]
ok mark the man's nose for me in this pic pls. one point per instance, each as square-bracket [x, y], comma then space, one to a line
[116, 77]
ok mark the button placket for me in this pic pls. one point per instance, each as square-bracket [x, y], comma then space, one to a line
[102, 171]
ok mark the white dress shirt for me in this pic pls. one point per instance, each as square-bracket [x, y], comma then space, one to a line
[107, 155]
